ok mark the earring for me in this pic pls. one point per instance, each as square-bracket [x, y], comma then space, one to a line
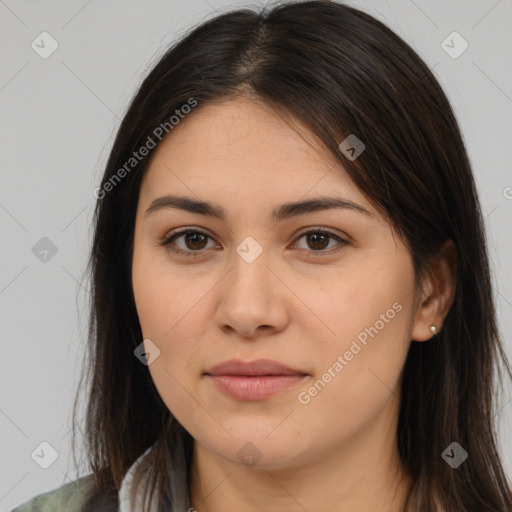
[433, 329]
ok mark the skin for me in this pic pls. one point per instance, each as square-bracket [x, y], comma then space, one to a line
[292, 304]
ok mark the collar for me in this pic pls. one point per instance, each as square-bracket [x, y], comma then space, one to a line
[126, 486]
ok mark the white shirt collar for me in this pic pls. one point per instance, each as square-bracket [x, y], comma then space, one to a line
[126, 485]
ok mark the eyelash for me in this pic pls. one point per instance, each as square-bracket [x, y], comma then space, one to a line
[167, 242]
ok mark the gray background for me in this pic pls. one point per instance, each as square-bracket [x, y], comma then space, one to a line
[58, 118]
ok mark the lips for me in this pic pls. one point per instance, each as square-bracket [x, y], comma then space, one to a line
[252, 368]
[254, 380]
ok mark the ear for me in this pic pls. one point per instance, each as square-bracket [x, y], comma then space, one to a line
[437, 294]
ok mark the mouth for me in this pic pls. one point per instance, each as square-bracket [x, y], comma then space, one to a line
[254, 380]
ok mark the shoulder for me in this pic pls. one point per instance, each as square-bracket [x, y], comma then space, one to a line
[69, 497]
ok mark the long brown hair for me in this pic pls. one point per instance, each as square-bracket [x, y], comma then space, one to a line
[339, 71]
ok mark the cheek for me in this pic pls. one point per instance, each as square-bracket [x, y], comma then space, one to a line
[176, 370]
[158, 294]
[355, 382]
[169, 318]
[358, 364]
[166, 318]
[362, 303]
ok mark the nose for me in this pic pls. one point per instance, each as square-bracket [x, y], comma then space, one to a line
[253, 299]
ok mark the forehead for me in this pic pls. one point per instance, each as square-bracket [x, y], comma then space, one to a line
[244, 146]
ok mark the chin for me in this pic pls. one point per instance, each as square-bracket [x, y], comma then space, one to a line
[258, 451]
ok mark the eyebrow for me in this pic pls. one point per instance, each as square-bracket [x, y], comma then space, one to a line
[285, 211]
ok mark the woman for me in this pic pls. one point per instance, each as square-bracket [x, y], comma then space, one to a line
[292, 306]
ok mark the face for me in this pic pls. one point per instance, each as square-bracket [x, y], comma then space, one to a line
[335, 305]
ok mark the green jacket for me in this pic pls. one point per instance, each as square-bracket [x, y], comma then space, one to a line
[68, 498]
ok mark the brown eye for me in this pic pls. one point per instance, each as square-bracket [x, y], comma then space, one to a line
[317, 241]
[194, 242]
